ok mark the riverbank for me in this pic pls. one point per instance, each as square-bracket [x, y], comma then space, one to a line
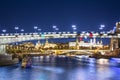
[6, 60]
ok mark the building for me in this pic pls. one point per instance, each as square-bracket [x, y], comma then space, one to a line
[49, 45]
[92, 43]
[38, 45]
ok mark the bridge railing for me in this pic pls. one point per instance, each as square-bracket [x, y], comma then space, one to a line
[18, 37]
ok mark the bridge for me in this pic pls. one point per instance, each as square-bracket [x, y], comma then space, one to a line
[20, 37]
[79, 52]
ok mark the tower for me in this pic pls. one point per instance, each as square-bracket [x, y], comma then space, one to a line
[46, 43]
[115, 42]
[77, 43]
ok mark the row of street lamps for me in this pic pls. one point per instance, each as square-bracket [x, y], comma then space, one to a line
[55, 28]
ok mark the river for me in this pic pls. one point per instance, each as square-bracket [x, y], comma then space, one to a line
[64, 68]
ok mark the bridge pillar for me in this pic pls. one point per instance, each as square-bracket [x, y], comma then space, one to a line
[2, 48]
[115, 42]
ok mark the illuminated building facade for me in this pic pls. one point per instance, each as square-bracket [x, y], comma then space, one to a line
[92, 43]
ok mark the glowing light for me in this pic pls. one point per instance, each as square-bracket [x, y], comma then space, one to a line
[39, 29]
[102, 26]
[85, 37]
[54, 26]
[22, 30]
[35, 27]
[4, 30]
[16, 28]
[56, 29]
[73, 26]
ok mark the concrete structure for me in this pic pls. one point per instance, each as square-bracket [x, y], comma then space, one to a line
[115, 42]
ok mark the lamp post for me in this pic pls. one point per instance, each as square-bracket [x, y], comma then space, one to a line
[22, 30]
[55, 28]
[35, 28]
[16, 28]
[101, 31]
[77, 41]
[4, 30]
[101, 27]
[39, 29]
[74, 27]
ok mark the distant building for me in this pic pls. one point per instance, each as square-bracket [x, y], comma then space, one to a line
[38, 45]
[92, 43]
[49, 45]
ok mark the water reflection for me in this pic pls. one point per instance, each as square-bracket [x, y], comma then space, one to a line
[103, 61]
[63, 68]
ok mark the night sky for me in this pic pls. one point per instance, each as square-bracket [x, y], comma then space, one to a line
[87, 15]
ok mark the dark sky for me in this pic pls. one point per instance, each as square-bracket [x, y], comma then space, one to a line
[87, 15]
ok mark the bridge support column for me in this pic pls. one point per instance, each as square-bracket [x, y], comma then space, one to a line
[3, 49]
[114, 44]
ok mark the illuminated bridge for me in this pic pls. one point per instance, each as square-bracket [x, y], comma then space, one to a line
[19, 37]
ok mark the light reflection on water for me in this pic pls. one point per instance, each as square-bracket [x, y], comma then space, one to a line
[63, 68]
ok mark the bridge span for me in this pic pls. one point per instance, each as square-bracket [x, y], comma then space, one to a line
[85, 52]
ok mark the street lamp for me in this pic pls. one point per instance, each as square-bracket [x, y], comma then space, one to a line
[39, 29]
[35, 28]
[74, 28]
[55, 28]
[101, 30]
[22, 30]
[102, 26]
[16, 28]
[4, 30]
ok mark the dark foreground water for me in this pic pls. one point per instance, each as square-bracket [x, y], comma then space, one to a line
[63, 68]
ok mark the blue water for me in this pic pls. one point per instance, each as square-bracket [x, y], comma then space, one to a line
[62, 68]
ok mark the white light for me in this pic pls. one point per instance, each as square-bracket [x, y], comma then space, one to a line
[68, 32]
[49, 32]
[64, 32]
[35, 27]
[73, 26]
[54, 26]
[2, 34]
[83, 32]
[102, 26]
[56, 29]
[75, 32]
[16, 28]
[59, 32]
[44, 33]
[87, 34]
[22, 30]
[4, 30]
[39, 29]
[85, 37]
